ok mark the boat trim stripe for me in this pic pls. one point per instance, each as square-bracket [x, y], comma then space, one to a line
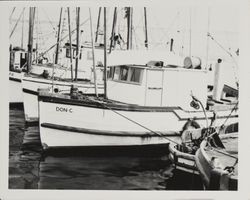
[30, 91]
[15, 79]
[142, 134]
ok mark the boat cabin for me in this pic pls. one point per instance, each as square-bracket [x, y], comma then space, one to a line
[157, 83]
[85, 62]
[18, 58]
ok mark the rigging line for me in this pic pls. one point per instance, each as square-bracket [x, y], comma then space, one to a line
[49, 20]
[137, 123]
[234, 108]
[62, 39]
[222, 152]
[232, 57]
[16, 23]
[12, 13]
[229, 53]
[165, 31]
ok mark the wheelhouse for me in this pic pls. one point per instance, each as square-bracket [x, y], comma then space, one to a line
[156, 84]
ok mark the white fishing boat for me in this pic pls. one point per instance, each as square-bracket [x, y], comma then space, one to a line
[17, 60]
[15, 87]
[60, 78]
[147, 102]
[32, 83]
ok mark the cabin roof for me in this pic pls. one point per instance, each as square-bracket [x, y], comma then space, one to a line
[142, 57]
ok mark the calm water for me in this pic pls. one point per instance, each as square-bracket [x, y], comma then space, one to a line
[31, 168]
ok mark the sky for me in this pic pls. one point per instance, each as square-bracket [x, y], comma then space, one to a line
[187, 25]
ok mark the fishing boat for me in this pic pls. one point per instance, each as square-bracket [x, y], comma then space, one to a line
[36, 66]
[183, 154]
[218, 164]
[145, 104]
[31, 84]
[16, 63]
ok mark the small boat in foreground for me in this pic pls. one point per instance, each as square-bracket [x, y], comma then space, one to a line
[183, 155]
[218, 165]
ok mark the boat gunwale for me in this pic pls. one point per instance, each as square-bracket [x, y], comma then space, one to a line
[113, 106]
[119, 106]
[180, 154]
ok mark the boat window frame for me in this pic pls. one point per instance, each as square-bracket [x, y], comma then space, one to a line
[117, 72]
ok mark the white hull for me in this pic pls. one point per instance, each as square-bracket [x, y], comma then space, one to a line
[30, 86]
[15, 87]
[61, 138]
[65, 124]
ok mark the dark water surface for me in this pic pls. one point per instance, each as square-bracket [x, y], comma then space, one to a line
[31, 168]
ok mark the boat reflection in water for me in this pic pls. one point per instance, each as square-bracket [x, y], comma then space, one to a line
[31, 168]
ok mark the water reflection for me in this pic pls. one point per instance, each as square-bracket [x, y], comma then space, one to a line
[91, 169]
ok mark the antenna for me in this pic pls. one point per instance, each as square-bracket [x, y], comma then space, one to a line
[208, 27]
[190, 31]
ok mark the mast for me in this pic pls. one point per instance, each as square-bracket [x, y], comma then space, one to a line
[37, 34]
[77, 40]
[58, 37]
[129, 23]
[113, 29]
[70, 45]
[30, 39]
[93, 51]
[105, 54]
[22, 31]
[146, 27]
[98, 24]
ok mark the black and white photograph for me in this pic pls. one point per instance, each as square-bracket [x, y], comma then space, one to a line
[116, 97]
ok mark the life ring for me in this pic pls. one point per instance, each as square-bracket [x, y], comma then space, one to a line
[189, 142]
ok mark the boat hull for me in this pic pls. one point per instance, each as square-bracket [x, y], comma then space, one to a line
[70, 122]
[182, 161]
[62, 136]
[15, 87]
[30, 88]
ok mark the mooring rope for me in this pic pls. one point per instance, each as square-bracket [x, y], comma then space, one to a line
[137, 123]
[234, 108]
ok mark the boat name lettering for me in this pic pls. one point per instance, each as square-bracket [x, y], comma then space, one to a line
[62, 109]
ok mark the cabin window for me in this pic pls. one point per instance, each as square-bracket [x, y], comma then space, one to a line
[117, 73]
[124, 73]
[135, 75]
[73, 53]
[80, 57]
[111, 71]
[67, 53]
